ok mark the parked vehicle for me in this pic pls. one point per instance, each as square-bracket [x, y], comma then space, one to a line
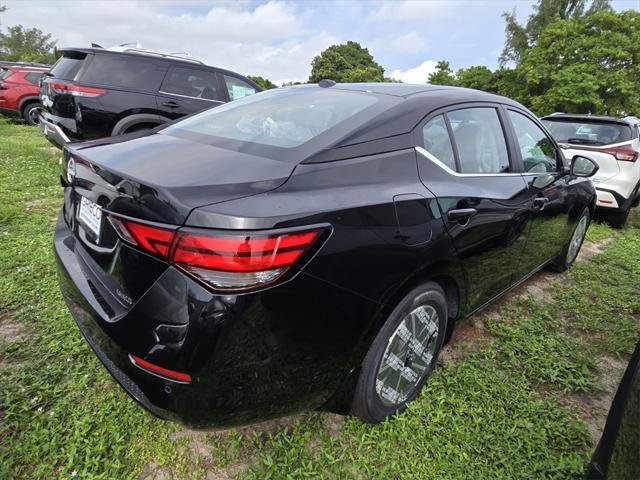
[308, 247]
[19, 91]
[614, 143]
[95, 92]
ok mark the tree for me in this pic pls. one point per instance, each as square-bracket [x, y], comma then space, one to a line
[522, 37]
[348, 62]
[26, 44]
[443, 74]
[588, 64]
[262, 82]
[478, 77]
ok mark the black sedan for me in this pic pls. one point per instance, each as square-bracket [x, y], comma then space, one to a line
[308, 247]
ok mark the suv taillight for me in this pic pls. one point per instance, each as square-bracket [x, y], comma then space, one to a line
[77, 90]
[226, 261]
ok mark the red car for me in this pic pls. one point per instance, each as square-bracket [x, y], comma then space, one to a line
[19, 90]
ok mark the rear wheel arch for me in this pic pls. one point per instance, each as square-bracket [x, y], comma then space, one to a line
[134, 120]
[25, 102]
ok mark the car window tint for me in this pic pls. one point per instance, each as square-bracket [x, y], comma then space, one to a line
[5, 73]
[34, 77]
[192, 82]
[436, 141]
[479, 140]
[68, 66]
[278, 118]
[537, 150]
[595, 133]
[238, 88]
[124, 71]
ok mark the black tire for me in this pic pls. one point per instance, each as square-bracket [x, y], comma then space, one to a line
[29, 113]
[568, 257]
[367, 403]
[618, 219]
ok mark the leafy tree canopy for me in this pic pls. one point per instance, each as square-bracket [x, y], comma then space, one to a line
[443, 74]
[348, 62]
[590, 64]
[262, 82]
[522, 37]
[26, 45]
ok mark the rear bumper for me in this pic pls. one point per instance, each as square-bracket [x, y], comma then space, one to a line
[610, 199]
[54, 131]
[251, 357]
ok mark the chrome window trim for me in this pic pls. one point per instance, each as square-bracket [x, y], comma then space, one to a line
[444, 167]
[188, 96]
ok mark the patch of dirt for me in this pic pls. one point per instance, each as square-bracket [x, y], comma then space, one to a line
[469, 334]
[9, 329]
[591, 249]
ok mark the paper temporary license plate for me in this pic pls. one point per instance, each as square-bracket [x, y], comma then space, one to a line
[90, 214]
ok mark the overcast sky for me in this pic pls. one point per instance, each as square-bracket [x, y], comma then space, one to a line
[278, 39]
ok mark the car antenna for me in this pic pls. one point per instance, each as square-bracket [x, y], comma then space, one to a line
[326, 83]
[96, 45]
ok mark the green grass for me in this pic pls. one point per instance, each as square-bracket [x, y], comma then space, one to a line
[495, 413]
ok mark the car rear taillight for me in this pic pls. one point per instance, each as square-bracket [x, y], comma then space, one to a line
[77, 90]
[625, 153]
[226, 261]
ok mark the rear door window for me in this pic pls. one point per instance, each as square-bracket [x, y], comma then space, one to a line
[238, 88]
[124, 71]
[192, 82]
[437, 142]
[68, 66]
[480, 140]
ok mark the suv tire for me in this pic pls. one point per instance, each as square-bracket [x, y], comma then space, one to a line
[413, 334]
[30, 111]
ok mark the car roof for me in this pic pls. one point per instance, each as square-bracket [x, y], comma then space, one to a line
[591, 118]
[406, 106]
[167, 58]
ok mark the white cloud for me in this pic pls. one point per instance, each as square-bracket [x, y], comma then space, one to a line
[409, 10]
[271, 39]
[418, 74]
[409, 43]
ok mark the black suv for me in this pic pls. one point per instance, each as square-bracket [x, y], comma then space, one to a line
[95, 92]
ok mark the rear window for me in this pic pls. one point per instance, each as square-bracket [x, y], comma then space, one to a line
[34, 77]
[68, 66]
[588, 133]
[124, 71]
[5, 73]
[278, 118]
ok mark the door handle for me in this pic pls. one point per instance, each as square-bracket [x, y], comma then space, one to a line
[540, 202]
[170, 104]
[461, 215]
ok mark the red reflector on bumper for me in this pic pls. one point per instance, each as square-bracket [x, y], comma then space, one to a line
[163, 372]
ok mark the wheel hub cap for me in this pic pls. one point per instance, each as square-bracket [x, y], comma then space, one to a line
[408, 355]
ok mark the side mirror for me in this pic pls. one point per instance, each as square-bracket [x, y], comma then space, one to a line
[583, 166]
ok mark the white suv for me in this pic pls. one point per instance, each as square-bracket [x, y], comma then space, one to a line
[614, 144]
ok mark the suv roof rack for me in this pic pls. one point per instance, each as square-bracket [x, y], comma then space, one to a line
[137, 48]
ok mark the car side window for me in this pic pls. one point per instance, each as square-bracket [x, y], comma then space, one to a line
[437, 142]
[124, 72]
[192, 82]
[480, 140]
[537, 150]
[238, 88]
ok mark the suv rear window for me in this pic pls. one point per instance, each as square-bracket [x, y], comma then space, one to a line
[587, 133]
[285, 118]
[68, 66]
[125, 71]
